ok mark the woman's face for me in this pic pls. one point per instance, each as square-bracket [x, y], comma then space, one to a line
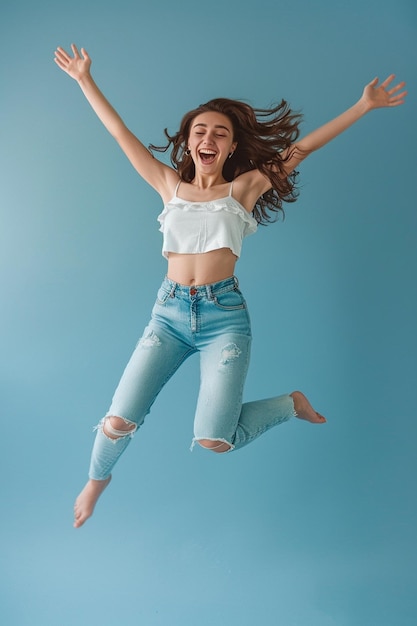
[211, 141]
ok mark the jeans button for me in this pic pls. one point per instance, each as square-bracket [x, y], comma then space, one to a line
[193, 291]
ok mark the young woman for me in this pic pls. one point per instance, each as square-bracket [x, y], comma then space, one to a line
[232, 166]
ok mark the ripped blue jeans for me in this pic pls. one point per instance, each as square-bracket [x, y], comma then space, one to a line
[212, 320]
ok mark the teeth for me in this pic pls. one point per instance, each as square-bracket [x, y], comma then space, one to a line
[209, 152]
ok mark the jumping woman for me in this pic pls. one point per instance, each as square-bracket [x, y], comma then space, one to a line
[232, 168]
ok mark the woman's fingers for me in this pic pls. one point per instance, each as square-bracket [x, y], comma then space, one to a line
[398, 99]
[373, 82]
[386, 95]
[396, 88]
[74, 64]
[387, 81]
[75, 51]
[61, 59]
[395, 98]
[61, 54]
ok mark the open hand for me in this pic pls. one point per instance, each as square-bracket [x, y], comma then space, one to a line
[383, 95]
[75, 66]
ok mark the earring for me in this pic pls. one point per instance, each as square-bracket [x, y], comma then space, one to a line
[230, 155]
[187, 152]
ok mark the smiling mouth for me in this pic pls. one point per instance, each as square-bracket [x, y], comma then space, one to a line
[207, 156]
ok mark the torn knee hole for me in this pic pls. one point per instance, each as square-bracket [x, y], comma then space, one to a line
[214, 445]
[115, 427]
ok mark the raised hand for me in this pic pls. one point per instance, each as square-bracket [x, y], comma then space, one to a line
[376, 96]
[75, 66]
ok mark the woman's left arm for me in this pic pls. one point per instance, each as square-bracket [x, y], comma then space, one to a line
[374, 97]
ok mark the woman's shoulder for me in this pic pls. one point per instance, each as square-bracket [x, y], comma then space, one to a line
[169, 191]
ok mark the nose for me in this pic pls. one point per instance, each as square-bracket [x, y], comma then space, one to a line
[208, 138]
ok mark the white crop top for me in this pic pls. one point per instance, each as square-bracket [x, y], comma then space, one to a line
[196, 227]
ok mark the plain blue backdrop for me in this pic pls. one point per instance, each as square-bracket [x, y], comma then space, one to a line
[308, 526]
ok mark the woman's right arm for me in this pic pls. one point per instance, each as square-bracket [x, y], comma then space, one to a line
[159, 176]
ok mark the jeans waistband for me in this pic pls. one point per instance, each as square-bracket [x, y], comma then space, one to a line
[203, 291]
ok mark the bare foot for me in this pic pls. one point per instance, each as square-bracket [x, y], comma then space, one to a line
[304, 409]
[86, 501]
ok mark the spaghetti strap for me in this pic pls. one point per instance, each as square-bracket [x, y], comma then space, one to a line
[231, 189]
[176, 188]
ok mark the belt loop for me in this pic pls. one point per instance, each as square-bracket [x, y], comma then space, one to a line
[209, 292]
[172, 292]
[236, 282]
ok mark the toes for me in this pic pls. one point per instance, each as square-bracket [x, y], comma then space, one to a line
[79, 519]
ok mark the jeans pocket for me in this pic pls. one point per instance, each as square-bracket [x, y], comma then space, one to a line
[230, 300]
[162, 296]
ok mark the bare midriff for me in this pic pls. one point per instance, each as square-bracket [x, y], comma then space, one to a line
[201, 269]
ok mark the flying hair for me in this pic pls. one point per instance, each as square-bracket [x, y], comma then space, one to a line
[261, 135]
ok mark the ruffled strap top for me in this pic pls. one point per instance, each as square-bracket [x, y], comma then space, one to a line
[198, 227]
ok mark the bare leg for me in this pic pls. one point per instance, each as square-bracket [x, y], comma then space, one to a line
[114, 428]
[86, 501]
[304, 409]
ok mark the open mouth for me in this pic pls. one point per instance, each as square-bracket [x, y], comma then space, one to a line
[207, 156]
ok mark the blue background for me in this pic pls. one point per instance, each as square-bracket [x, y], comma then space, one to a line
[308, 526]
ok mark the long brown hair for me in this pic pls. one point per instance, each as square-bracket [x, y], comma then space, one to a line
[261, 136]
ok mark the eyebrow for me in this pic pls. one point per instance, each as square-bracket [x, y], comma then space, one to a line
[215, 126]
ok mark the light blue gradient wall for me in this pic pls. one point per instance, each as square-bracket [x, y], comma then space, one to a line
[308, 526]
